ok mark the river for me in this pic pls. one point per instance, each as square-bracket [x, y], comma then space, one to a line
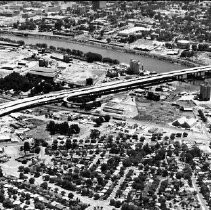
[150, 64]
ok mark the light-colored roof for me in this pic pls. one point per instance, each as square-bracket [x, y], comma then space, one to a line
[183, 41]
[4, 136]
[133, 30]
[183, 120]
[43, 71]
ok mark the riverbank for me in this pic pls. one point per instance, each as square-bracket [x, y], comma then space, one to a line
[166, 58]
[150, 61]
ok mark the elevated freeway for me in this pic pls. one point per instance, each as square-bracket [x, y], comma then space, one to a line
[103, 89]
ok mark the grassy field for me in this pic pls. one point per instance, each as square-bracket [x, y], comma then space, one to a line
[39, 133]
[157, 112]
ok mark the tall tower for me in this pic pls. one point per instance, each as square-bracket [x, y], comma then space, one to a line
[205, 92]
[98, 5]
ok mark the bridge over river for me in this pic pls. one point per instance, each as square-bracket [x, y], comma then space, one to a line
[103, 89]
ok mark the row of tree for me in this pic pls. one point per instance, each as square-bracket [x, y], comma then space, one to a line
[62, 128]
[90, 56]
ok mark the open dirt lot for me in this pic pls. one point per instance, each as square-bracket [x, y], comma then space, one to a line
[79, 71]
[11, 57]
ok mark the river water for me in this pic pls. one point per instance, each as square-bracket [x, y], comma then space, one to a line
[150, 64]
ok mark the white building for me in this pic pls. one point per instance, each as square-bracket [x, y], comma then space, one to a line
[132, 31]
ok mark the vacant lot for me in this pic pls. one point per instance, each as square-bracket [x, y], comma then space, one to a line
[157, 112]
[79, 71]
[39, 133]
[163, 111]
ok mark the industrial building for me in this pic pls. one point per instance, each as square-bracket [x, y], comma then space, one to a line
[205, 92]
[43, 72]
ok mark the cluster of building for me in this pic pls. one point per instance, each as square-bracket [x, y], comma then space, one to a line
[27, 9]
[115, 26]
[119, 162]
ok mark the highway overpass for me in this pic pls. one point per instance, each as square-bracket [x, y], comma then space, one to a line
[105, 88]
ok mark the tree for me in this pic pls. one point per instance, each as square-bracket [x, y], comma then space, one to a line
[131, 39]
[68, 144]
[195, 152]
[89, 81]
[27, 196]
[46, 178]
[93, 57]
[37, 150]
[147, 149]
[64, 128]
[26, 170]
[127, 162]
[98, 122]
[7, 204]
[179, 175]
[70, 195]
[58, 25]
[39, 205]
[26, 146]
[14, 197]
[108, 40]
[31, 180]
[112, 202]
[52, 48]
[205, 166]
[1, 172]
[104, 167]
[51, 127]
[21, 42]
[21, 176]
[107, 118]
[94, 134]
[187, 172]
[20, 168]
[209, 13]
[44, 185]
[96, 196]
[164, 173]
[63, 193]
[2, 197]
[74, 129]
[188, 157]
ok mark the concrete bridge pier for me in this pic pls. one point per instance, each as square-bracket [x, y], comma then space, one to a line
[199, 74]
[207, 73]
[181, 77]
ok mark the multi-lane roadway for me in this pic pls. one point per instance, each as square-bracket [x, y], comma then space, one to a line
[105, 88]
